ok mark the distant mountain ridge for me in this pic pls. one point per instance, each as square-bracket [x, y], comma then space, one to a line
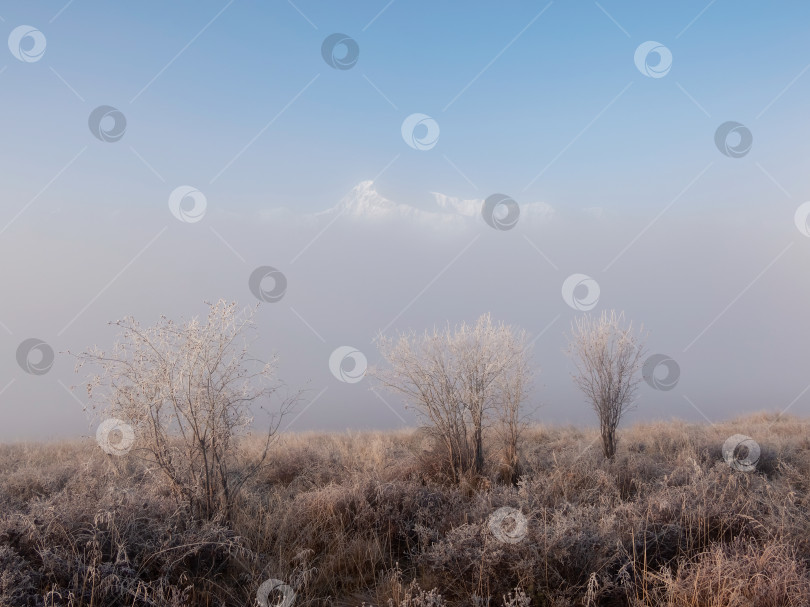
[365, 203]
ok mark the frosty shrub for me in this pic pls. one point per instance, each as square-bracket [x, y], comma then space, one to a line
[608, 356]
[462, 381]
[187, 390]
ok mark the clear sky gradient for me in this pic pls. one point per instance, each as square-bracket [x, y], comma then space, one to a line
[520, 87]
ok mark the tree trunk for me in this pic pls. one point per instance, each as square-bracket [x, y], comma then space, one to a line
[609, 442]
[478, 461]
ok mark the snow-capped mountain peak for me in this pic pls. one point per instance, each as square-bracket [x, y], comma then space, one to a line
[365, 203]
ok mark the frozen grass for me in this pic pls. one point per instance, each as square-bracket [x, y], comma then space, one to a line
[348, 519]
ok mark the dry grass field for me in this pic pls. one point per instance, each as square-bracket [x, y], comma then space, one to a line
[366, 518]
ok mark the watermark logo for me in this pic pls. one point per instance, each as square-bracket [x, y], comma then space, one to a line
[333, 57]
[420, 131]
[741, 452]
[27, 43]
[733, 139]
[581, 292]
[107, 123]
[500, 212]
[259, 276]
[802, 218]
[650, 371]
[198, 204]
[509, 525]
[115, 437]
[348, 364]
[644, 58]
[425, 441]
[271, 587]
[35, 356]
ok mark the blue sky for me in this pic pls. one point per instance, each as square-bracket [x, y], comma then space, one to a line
[539, 101]
[529, 106]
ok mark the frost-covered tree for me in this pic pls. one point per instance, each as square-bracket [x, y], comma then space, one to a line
[462, 381]
[187, 391]
[608, 354]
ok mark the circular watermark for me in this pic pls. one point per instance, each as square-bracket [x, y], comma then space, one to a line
[262, 274]
[500, 212]
[509, 525]
[427, 444]
[424, 440]
[653, 69]
[115, 436]
[420, 131]
[650, 371]
[581, 292]
[271, 586]
[107, 123]
[802, 218]
[333, 57]
[198, 204]
[352, 372]
[733, 139]
[27, 43]
[741, 452]
[35, 356]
